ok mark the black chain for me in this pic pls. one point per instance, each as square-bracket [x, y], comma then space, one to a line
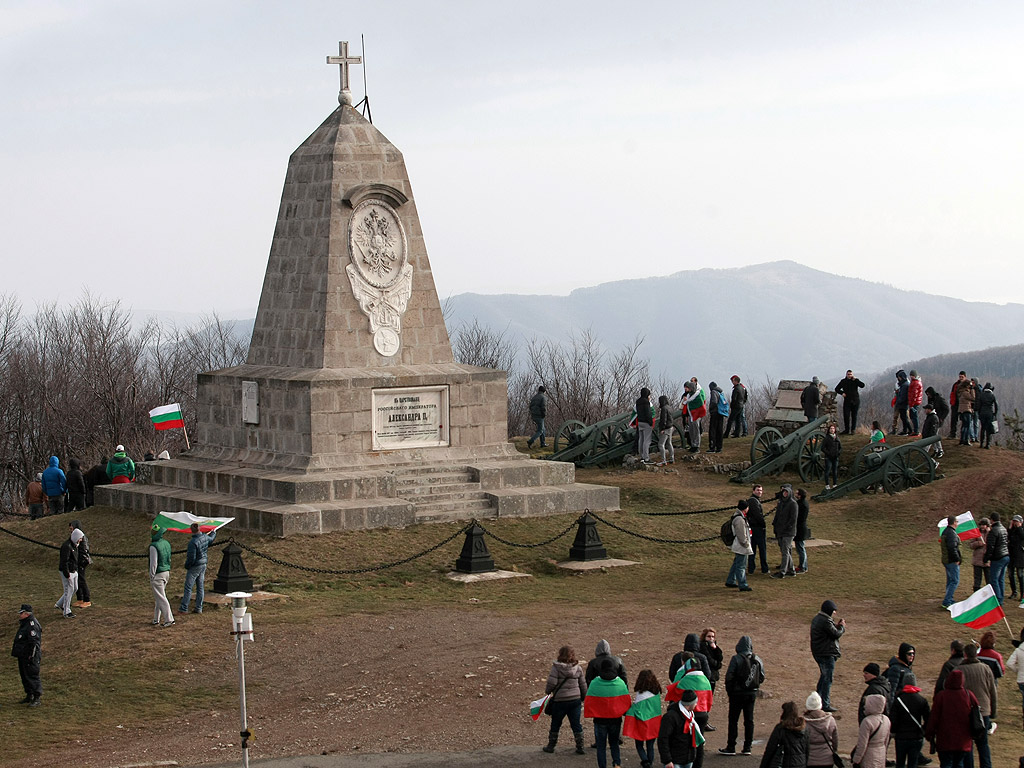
[556, 537]
[652, 538]
[693, 512]
[91, 554]
[12, 513]
[353, 571]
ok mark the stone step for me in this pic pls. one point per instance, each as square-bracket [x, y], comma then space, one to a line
[427, 492]
[431, 469]
[481, 502]
[428, 481]
[430, 513]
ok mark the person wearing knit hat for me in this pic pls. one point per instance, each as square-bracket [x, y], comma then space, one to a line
[876, 684]
[120, 468]
[825, 634]
[159, 575]
[679, 738]
[822, 734]
[69, 572]
[26, 648]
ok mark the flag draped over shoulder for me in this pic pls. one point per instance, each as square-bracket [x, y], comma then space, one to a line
[978, 611]
[696, 405]
[691, 727]
[181, 522]
[167, 417]
[691, 680]
[643, 719]
[966, 528]
[606, 698]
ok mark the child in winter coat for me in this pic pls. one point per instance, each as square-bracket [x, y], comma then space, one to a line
[643, 718]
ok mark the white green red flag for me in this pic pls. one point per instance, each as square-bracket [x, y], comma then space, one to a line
[691, 680]
[978, 611]
[691, 727]
[537, 707]
[181, 522]
[632, 419]
[643, 719]
[696, 405]
[606, 698]
[167, 417]
[966, 528]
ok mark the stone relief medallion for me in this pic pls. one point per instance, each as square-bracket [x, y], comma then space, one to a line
[380, 273]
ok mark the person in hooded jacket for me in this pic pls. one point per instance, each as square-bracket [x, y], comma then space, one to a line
[949, 724]
[831, 447]
[692, 644]
[899, 666]
[915, 396]
[716, 421]
[873, 735]
[566, 681]
[788, 745]
[97, 475]
[822, 734]
[84, 561]
[76, 486]
[55, 486]
[159, 575]
[35, 498]
[601, 652]
[909, 716]
[69, 572]
[607, 700]
[741, 696]
[988, 411]
[931, 429]
[120, 469]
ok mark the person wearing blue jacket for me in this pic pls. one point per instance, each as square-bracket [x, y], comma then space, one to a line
[195, 568]
[55, 486]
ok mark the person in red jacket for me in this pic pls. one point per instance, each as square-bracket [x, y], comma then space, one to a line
[949, 725]
[915, 396]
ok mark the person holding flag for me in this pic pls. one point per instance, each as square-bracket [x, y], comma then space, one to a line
[195, 567]
[607, 701]
[643, 719]
[567, 688]
[679, 737]
[694, 409]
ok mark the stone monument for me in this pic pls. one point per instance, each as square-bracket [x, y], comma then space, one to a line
[350, 411]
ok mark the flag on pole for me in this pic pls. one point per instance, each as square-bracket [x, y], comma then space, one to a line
[978, 611]
[966, 528]
[167, 417]
[606, 698]
[181, 522]
[632, 419]
[643, 719]
[691, 680]
[695, 404]
[537, 707]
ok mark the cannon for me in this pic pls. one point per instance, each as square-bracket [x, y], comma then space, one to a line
[601, 443]
[895, 468]
[771, 451]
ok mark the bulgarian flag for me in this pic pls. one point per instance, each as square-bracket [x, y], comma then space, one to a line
[978, 611]
[537, 707]
[966, 528]
[643, 719]
[691, 680]
[181, 522]
[632, 419]
[167, 417]
[607, 698]
[690, 726]
[696, 405]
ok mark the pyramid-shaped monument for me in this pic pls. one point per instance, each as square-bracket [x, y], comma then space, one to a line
[350, 411]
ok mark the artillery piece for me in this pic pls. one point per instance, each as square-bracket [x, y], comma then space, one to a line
[771, 452]
[601, 443]
[895, 468]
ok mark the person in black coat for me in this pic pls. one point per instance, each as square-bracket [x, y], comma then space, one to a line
[874, 683]
[810, 399]
[97, 475]
[784, 526]
[601, 652]
[1015, 537]
[988, 410]
[788, 745]
[758, 529]
[848, 388]
[27, 644]
[803, 509]
[678, 734]
[909, 716]
[76, 486]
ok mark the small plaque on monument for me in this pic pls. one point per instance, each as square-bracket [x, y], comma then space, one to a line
[250, 402]
[414, 417]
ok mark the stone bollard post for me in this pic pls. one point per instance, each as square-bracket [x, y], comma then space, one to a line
[587, 545]
[232, 576]
[475, 557]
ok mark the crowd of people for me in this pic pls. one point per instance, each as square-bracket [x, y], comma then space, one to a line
[53, 491]
[673, 718]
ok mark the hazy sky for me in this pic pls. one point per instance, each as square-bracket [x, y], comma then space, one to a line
[550, 144]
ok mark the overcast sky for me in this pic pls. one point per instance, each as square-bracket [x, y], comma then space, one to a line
[550, 145]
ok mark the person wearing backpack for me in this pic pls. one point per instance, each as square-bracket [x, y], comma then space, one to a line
[741, 549]
[743, 679]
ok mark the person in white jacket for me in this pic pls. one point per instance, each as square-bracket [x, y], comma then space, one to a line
[740, 548]
[1016, 664]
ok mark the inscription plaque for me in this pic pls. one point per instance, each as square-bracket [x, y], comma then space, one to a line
[410, 417]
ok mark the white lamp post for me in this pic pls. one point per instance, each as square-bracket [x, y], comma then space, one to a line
[241, 629]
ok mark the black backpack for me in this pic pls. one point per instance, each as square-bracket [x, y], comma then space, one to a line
[755, 673]
[727, 534]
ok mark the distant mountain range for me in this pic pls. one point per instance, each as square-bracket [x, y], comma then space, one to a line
[779, 319]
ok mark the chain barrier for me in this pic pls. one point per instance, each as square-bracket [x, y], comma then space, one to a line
[91, 553]
[12, 513]
[554, 538]
[652, 538]
[692, 512]
[354, 571]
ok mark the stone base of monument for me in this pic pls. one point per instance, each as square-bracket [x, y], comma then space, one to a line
[594, 565]
[470, 578]
[282, 503]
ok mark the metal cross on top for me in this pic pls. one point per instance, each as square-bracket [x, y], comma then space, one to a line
[343, 59]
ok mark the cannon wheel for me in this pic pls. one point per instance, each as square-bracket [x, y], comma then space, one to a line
[859, 462]
[610, 437]
[761, 445]
[907, 467]
[810, 461]
[565, 431]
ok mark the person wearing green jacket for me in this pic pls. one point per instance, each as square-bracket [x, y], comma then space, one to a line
[121, 469]
[159, 574]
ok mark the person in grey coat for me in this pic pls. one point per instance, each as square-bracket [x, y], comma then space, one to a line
[741, 549]
[784, 526]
